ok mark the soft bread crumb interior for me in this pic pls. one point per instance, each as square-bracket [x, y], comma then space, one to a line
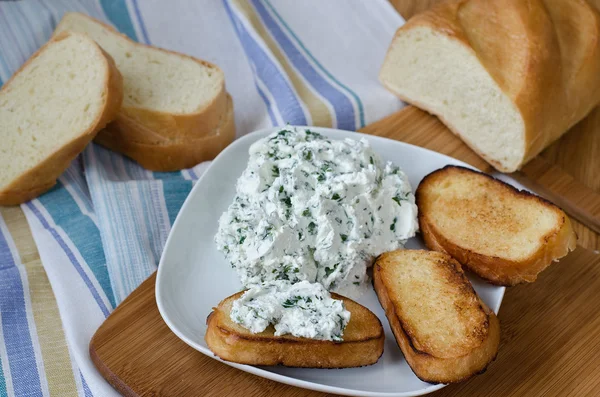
[485, 219]
[441, 75]
[153, 79]
[57, 97]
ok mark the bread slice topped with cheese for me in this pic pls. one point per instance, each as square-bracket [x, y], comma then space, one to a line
[50, 109]
[170, 99]
[445, 331]
[504, 235]
[362, 343]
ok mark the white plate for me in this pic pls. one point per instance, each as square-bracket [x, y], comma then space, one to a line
[193, 276]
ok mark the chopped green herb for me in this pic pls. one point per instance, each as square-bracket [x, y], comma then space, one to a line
[306, 212]
[398, 199]
[268, 232]
[308, 155]
[336, 197]
[356, 283]
[311, 228]
[242, 239]
[291, 302]
[329, 270]
[281, 189]
[344, 237]
[371, 160]
[275, 171]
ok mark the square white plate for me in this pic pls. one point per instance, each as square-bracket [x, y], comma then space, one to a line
[193, 276]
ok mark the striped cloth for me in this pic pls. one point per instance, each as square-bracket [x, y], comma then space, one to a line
[100, 231]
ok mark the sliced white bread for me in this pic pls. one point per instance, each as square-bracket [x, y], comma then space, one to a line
[509, 77]
[446, 332]
[169, 98]
[171, 156]
[504, 235]
[51, 108]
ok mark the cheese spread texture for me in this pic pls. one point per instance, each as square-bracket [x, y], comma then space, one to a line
[308, 208]
[302, 309]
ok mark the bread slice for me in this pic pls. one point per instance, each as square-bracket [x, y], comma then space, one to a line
[509, 77]
[170, 156]
[362, 345]
[169, 98]
[504, 235]
[50, 109]
[447, 334]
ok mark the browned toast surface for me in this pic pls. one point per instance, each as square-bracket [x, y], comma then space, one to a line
[362, 344]
[445, 331]
[504, 235]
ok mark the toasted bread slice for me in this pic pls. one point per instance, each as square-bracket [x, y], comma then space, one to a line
[504, 235]
[362, 345]
[50, 109]
[170, 156]
[447, 334]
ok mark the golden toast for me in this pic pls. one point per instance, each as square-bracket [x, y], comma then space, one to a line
[362, 344]
[504, 235]
[447, 334]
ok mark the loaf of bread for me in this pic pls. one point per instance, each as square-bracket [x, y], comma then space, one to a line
[447, 334]
[504, 235]
[50, 109]
[170, 99]
[507, 76]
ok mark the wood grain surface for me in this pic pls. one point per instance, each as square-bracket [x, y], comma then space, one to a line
[550, 345]
[558, 354]
[550, 338]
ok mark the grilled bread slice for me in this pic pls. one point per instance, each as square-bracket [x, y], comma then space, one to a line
[504, 235]
[362, 345]
[50, 109]
[447, 334]
[169, 99]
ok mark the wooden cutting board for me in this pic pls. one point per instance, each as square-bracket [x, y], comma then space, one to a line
[550, 329]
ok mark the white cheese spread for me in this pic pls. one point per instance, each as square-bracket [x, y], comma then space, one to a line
[314, 209]
[301, 309]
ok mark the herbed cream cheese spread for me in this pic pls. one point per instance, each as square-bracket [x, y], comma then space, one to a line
[308, 208]
[302, 309]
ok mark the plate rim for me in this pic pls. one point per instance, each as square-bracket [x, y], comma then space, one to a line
[257, 370]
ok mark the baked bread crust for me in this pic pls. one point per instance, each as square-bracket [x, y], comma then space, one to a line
[42, 176]
[170, 155]
[362, 345]
[137, 128]
[430, 363]
[543, 54]
[495, 269]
